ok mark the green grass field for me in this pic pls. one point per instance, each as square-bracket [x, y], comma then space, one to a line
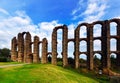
[46, 73]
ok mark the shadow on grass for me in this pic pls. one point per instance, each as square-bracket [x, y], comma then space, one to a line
[90, 74]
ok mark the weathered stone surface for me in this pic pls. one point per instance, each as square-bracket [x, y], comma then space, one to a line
[36, 50]
[44, 51]
[14, 49]
[64, 45]
[21, 49]
[27, 47]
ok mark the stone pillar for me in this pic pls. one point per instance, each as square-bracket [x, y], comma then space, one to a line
[65, 45]
[36, 50]
[14, 49]
[76, 47]
[90, 47]
[106, 44]
[27, 47]
[44, 51]
[30, 58]
[54, 47]
[118, 43]
[20, 47]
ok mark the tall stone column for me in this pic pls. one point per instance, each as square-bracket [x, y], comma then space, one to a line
[14, 49]
[20, 47]
[118, 42]
[36, 50]
[106, 44]
[54, 47]
[65, 45]
[90, 47]
[27, 48]
[44, 51]
[76, 47]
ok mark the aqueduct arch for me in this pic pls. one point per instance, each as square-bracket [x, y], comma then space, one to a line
[21, 47]
[64, 45]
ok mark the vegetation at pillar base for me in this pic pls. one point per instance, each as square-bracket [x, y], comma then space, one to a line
[4, 55]
[47, 73]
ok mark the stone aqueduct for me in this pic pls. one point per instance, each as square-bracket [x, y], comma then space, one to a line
[21, 49]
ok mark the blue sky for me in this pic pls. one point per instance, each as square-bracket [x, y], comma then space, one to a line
[39, 17]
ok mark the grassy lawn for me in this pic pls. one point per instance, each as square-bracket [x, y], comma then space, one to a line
[8, 63]
[46, 73]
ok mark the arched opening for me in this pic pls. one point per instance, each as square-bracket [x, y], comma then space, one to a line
[49, 57]
[83, 46]
[32, 48]
[83, 32]
[59, 47]
[40, 51]
[113, 44]
[97, 30]
[83, 60]
[113, 28]
[71, 59]
[71, 31]
[113, 60]
[97, 45]
[97, 61]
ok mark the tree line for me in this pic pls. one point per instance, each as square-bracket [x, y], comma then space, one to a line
[4, 55]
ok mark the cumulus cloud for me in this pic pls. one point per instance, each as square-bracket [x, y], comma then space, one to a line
[20, 22]
[11, 26]
[94, 10]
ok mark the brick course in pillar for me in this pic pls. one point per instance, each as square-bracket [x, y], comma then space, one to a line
[44, 51]
[90, 47]
[20, 47]
[77, 47]
[27, 48]
[118, 42]
[36, 50]
[54, 47]
[65, 46]
[105, 45]
[14, 53]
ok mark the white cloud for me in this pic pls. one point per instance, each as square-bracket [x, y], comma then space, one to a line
[94, 10]
[20, 22]
[71, 31]
[3, 11]
[79, 7]
[97, 45]
[11, 26]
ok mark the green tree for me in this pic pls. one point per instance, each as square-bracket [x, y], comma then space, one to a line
[97, 62]
[4, 54]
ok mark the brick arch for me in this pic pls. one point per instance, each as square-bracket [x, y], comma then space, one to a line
[77, 39]
[98, 66]
[117, 21]
[85, 64]
[71, 41]
[23, 42]
[64, 44]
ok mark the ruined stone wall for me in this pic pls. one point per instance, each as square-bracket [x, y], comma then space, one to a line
[21, 49]
[14, 49]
